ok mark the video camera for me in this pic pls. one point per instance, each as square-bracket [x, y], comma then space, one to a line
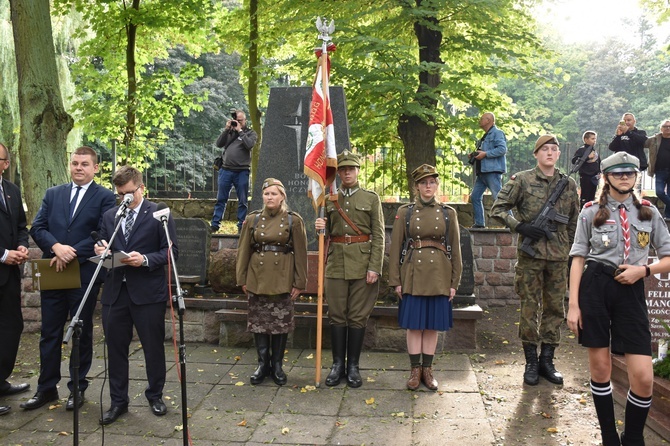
[471, 158]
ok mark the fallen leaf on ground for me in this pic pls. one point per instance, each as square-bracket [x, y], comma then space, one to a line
[242, 423]
[239, 383]
[285, 430]
[237, 358]
[310, 356]
[370, 401]
[552, 430]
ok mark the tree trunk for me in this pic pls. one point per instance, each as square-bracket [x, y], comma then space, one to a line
[418, 133]
[44, 122]
[131, 107]
[252, 88]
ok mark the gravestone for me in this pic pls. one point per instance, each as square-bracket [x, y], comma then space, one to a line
[657, 289]
[193, 241]
[282, 150]
[465, 292]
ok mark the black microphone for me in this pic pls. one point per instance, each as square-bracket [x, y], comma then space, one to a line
[98, 240]
[162, 212]
[127, 199]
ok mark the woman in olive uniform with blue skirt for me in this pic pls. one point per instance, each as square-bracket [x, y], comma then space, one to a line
[272, 271]
[425, 270]
[607, 306]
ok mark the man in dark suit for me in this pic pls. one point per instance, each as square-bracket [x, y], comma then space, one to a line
[62, 229]
[13, 252]
[135, 293]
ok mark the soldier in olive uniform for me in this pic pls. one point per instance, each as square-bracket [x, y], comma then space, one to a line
[272, 271]
[425, 269]
[540, 281]
[355, 227]
[607, 307]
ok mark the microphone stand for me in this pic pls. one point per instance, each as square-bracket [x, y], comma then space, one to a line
[181, 308]
[74, 332]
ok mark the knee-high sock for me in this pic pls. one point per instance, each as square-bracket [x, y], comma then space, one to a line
[604, 402]
[637, 409]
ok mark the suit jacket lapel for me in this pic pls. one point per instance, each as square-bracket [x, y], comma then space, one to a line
[141, 214]
[90, 191]
[5, 208]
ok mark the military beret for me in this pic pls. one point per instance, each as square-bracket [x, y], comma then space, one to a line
[423, 171]
[348, 158]
[274, 182]
[620, 162]
[545, 139]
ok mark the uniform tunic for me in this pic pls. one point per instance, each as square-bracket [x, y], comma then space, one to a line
[350, 298]
[270, 276]
[539, 281]
[605, 304]
[427, 274]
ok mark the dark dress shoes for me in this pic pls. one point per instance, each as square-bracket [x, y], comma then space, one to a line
[70, 401]
[4, 410]
[158, 407]
[40, 399]
[113, 414]
[10, 389]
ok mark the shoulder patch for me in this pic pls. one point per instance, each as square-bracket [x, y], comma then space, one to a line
[646, 203]
[513, 177]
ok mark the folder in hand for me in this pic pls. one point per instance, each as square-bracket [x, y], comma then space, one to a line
[112, 260]
[45, 277]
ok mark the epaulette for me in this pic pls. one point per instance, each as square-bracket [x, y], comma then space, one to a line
[513, 177]
[404, 206]
[369, 191]
[645, 202]
[588, 204]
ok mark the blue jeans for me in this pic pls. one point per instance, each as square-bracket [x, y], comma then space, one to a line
[492, 181]
[228, 179]
[662, 182]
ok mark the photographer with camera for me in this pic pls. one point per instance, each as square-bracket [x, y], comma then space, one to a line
[237, 140]
[490, 163]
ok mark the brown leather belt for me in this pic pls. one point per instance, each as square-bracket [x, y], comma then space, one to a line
[273, 248]
[350, 239]
[418, 244]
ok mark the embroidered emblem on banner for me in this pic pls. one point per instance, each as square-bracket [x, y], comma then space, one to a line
[643, 239]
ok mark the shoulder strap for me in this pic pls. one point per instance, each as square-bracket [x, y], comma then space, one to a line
[408, 217]
[344, 215]
[290, 228]
[446, 231]
[253, 228]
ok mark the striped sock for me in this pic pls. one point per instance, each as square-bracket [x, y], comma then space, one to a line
[637, 409]
[604, 402]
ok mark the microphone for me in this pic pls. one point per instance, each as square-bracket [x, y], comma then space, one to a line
[98, 240]
[127, 199]
[162, 212]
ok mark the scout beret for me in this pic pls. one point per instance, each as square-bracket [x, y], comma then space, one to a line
[545, 139]
[348, 158]
[423, 171]
[620, 162]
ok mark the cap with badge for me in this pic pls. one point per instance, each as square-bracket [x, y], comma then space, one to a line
[274, 182]
[545, 139]
[423, 171]
[348, 158]
[620, 162]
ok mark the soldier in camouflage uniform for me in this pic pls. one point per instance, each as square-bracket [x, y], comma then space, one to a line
[355, 226]
[540, 281]
[272, 271]
[607, 309]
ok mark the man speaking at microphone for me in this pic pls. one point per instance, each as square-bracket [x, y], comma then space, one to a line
[62, 229]
[135, 292]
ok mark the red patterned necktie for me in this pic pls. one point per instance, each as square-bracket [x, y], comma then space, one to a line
[625, 228]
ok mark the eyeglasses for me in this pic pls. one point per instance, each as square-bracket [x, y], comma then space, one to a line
[620, 175]
[121, 195]
[3, 159]
[547, 148]
[665, 126]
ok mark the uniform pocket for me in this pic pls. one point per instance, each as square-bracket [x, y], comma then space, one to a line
[641, 234]
[604, 237]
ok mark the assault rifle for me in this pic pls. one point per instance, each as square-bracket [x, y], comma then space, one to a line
[548, 215]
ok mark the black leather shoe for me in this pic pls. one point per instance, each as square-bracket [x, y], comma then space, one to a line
[4, 410]
[158, 407]
[40, 399]
[70, 401]
[113, 414]
[14, 389]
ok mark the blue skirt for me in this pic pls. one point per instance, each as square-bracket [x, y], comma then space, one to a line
[425, 313]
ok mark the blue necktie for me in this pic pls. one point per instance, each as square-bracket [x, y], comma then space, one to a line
[73, 202]
[129, 224]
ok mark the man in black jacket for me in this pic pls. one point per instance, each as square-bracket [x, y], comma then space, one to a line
[630, 139]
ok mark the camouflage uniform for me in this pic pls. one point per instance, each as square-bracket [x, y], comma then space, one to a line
[539, 281]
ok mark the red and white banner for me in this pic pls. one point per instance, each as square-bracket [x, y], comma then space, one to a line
[320, 156]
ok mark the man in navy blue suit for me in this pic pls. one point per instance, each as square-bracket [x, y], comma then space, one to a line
[62, 229]
[135, 293]
[13, 253]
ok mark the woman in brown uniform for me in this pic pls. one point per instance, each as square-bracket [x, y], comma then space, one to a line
[425, 270]
[272, 271]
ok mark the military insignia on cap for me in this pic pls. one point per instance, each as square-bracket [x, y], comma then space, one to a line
[266, 184]
[643, 239]
[426, 169]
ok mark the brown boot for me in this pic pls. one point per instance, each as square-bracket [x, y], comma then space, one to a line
[427, 378]
[414, 380]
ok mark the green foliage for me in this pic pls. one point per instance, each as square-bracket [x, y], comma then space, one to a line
[662, 368]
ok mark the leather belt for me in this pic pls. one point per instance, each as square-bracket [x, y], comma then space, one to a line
[607, 269]
[274, 248]
[418, 244]
[347, 239]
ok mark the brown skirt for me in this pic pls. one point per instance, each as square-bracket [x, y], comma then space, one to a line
[270, 314]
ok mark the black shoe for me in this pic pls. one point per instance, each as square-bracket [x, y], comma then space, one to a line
[40, 399]
[14, 389]
[213, 229]
[70, 401]
[4, 410]
[158, 407]
[113, 414]
[531, 374]
[477, 227]
[338, 339]
[546, 363]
